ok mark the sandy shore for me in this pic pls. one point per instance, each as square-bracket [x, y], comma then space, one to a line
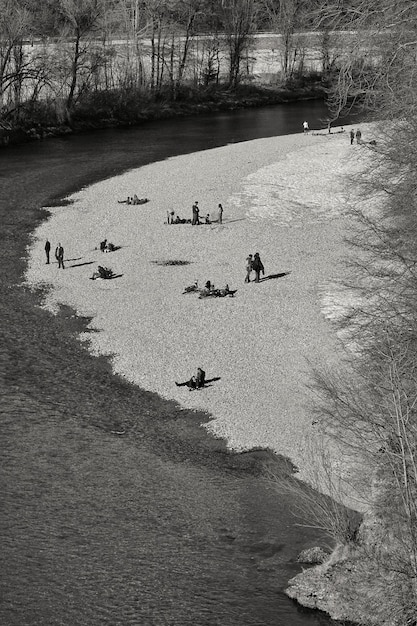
[282, 197]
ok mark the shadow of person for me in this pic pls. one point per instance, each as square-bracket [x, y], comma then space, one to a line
[212, 380]
[81, 264]
[271, 276]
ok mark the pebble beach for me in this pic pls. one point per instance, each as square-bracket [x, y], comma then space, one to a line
[284, 198]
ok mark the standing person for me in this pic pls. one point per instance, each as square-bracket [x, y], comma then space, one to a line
[103, 245]
[59, 255]
[257, 266]
[249, 261]
[220, 218]
[200, 379]
[358, 136]
[306, 127]
[352, 136]
[47, 250]
[196, 211]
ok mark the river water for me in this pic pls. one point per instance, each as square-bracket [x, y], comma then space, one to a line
[142, 530]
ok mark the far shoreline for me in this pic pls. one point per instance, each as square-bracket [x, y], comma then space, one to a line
[214, 101]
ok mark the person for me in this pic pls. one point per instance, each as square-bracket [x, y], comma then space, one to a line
[103, 245]
[220, 218]
[196, 212]
[352, 136]
[225, 291]
[257, 265]
[171, 217]
[47, 250]
[207, 289]
[208, 218]
[191, 288]
[192, 383]
[195, 382]
[305, 127]
[135, 199]
[358, 136]
[59, 255]
[200, 379]
[249, 261]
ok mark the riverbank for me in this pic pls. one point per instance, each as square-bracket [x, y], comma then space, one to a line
[282, 197]
[113, 109]
[89, 509]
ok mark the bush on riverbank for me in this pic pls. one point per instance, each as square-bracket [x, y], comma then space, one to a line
[111, 108]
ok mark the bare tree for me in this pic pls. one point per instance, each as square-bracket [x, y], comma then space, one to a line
[239, 23]
[287, 18]
[370, 406]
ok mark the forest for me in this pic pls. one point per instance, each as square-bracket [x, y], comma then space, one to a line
[68, 60]
[369, 406]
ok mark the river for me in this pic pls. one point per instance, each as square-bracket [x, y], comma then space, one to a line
[161, 527]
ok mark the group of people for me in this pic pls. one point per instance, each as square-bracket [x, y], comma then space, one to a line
[209, 290]
[207, 220]
[107, 247]
[254, 264]
[133, 200]
[59, 251]
[59, 254]
[358, 136]
[172, 218]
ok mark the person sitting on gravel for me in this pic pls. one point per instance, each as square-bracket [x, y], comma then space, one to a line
[195, 382]
[192, 383]
[208, 288]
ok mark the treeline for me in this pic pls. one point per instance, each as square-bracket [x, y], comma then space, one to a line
[63, 57]
[369, 406]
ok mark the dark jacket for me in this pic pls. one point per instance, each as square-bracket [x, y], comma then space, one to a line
[257, 264]
[200, 378]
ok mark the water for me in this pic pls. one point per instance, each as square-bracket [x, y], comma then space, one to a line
[160, 527]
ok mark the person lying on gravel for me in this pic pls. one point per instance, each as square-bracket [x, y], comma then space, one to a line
[191, 288]
[134, 200]
[103, 272]
[217, 293]
[188, 383]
